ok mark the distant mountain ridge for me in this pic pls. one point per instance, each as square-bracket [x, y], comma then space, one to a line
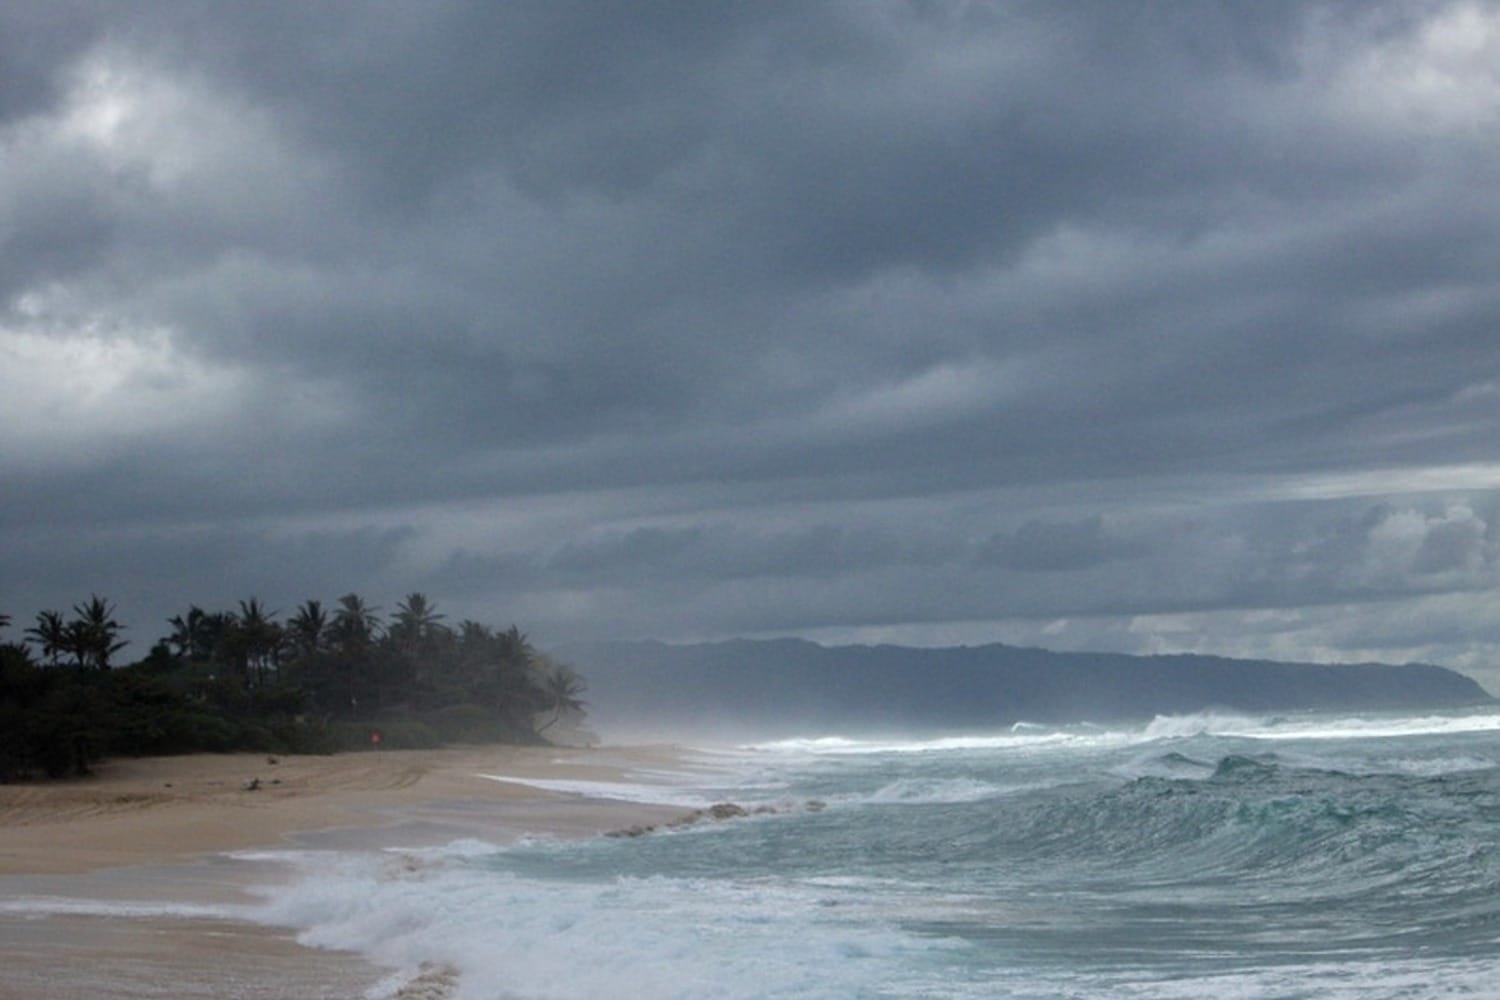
[797, 686]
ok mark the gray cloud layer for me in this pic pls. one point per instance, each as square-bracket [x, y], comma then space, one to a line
[1163, 326]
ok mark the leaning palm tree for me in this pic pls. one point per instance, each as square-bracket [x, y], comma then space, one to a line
[561, 687]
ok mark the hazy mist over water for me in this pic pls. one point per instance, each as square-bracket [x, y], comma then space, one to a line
[650, 691]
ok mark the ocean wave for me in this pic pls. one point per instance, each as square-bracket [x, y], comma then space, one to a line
[1438, 766]
[941, 866]
[1026, 737]
[937, 791]
[1384, 726]
[1166, 727]
[1165, 765]
[1334, 978]
[618, 791]
[506, 935]
[1319, 726]
[1086, 736]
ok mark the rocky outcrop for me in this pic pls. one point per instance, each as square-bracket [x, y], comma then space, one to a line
[718, 812]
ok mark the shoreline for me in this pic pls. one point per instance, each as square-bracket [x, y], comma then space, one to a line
[126, 883]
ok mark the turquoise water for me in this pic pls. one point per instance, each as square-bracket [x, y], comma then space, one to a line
[1307, 856]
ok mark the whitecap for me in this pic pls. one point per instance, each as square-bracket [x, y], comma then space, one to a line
[617, 791]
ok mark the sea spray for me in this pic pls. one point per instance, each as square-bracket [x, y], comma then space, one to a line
[1206, 855]
[509, 934]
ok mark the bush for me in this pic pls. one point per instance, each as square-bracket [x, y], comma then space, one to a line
[203, 731]
[297, 734]
[66, 732]
[257, 736]
[404, 735]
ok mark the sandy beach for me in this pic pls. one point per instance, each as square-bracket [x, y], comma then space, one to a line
[161, 830]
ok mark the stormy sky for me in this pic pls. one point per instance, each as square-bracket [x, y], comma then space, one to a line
[1091, 325]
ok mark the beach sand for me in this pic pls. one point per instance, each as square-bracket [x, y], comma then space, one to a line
[160, 830]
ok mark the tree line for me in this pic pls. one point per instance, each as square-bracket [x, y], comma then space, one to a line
[325, 678]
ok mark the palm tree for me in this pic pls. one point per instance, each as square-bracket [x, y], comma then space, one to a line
[415, 636]
[10, 653]
[354, 623]
[308, 628]
[416, 618]
[94, 634]
[498, 669]
[515, 647]
[561, 687]
[257, 640]
[197, 633]
[51, 634]
[354, 631]
[308, 646]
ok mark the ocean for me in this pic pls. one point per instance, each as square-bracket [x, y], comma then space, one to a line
[1296, 856]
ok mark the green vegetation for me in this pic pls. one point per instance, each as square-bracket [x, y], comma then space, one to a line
[321, 681]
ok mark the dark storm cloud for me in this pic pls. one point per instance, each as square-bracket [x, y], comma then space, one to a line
[695, 319]
[1045, 546]
[38, 41]
[213, 565]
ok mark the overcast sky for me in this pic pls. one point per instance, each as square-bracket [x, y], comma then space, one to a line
[1096, 325]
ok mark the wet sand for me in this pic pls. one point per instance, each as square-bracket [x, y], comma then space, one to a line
[76, 855]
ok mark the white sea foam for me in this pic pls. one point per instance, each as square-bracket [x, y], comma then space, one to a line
[510, 936]
[1024, 735]
[617, 791]
[1382, 726]
[1342, 980]
[1166, 727]
[1027, 738]
[939, 791]
[1434, 767]
[1318, 727]
[71, 906]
